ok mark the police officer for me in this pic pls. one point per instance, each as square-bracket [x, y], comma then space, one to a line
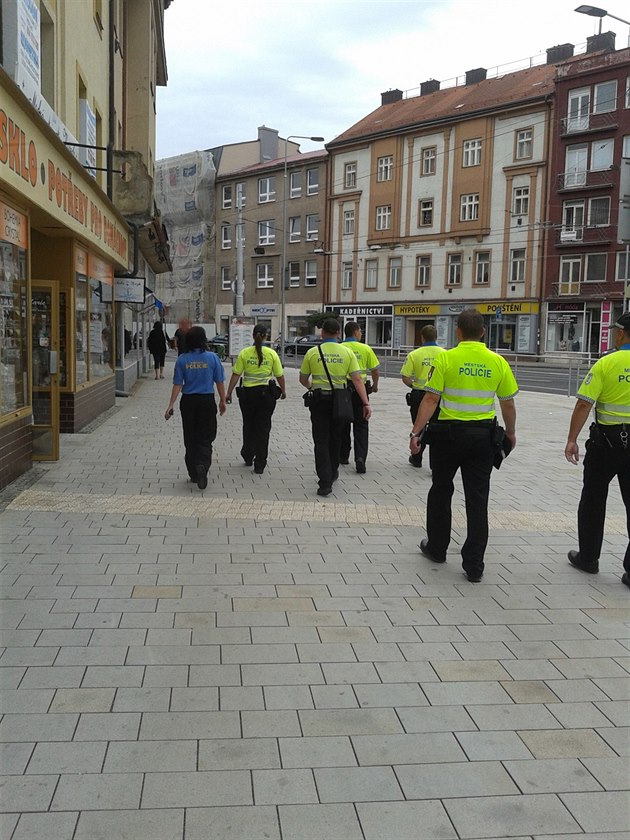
[607, 387]
[257, 396]
[368, 363]
[341, 363]
[467, 379]
[197, 372]
[414, 374]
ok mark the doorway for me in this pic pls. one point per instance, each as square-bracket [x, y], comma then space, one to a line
[45, 370]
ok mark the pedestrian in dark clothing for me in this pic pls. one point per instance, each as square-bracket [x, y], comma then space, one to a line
[197, 371]
[158, 345]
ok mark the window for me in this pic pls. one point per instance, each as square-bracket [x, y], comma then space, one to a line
[524, 144]
[599, 212]
[605, 98]
[226, 236]
[295, 228]
[266, 190]
[425, 213]
[346, 275]
[348, 222]
[471, 153]
[384, 168]
[469, 207]
[226, 280]
[602, 154]
[350, 176]
[264, 276]
[482, 268]
[226, 196]
[429, 157]
[395, 273]
[625, 146]
[371, 274]
[622, 268]
[384, 217]
[578, 109]
[266, 233]
[595, 271]
[628, 92]
[423, 272]
[294, 273]
[520, 201]
[517, 265]
[311, 228]
[312, 181]
[569, 276]
[572, 221]
[310, 273]
[575, 165]
[295, 184]
[454, 265]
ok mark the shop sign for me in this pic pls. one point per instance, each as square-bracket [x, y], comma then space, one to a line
[31, 164]
[357, 310]
[262, 309]
[411, 309]
[100, 270]
[506, 307]
[567, 306]
[13, 226]
[28, 52]
[562, 317]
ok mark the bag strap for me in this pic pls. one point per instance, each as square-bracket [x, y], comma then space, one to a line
[319, 347]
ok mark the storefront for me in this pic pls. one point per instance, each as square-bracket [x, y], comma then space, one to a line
[61, 240]
[511, 326]
[376, 322]
[580, 326]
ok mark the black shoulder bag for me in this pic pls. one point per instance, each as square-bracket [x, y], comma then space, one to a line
[342, 409]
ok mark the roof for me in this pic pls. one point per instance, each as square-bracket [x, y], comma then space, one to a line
[453, 103]
[292, 160]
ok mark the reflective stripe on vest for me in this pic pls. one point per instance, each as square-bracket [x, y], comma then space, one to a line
[484, 400]
[610, 414]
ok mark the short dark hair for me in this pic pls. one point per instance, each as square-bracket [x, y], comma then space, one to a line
[196, 339]
[428, 333]
[470, 323]
[331, 326]
[623, 322]
[350, 328]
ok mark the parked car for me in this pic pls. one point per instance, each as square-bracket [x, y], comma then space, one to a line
[219, 339]
[299, 346]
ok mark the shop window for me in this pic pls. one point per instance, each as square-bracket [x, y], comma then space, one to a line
[81, 337]
[101, 335]
[13, 326]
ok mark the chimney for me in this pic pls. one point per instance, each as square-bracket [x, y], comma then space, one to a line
[430, 86]
[604, 42]
[559, 53]
[391, 96]
[474, 76]
[268, 140]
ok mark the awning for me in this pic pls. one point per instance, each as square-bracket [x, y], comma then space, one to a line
[153, 244]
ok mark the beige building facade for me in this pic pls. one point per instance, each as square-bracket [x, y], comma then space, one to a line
[77, 89]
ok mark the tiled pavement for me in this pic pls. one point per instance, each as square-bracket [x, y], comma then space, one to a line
[250, 662]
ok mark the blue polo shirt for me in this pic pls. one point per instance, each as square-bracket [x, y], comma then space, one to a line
[197, 372]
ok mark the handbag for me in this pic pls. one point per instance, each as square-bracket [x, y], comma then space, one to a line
[342, 409]
[500, 443]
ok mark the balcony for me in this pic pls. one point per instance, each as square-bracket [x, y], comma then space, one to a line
[570, 126]
[572, 236]
[583, 179]
[575, 289]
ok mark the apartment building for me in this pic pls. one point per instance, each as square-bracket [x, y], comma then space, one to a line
[77, 222]
[435, 205]
[586, 266]
[280, 220]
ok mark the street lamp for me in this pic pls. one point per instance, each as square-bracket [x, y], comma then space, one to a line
[595, 11]
[283, 256]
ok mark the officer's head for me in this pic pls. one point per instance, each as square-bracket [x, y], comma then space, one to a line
[330, 328]
[428, 333]
[196, 339]
[622, 329]
[469, 325]
[352, 330]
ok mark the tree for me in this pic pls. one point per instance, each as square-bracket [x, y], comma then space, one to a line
[316, 319]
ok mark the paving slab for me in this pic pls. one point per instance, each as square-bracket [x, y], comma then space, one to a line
[253, 662]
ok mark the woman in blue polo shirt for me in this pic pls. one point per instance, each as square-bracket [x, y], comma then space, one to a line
[196, 373]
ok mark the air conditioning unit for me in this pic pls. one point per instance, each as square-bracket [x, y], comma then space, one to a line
[568, 235]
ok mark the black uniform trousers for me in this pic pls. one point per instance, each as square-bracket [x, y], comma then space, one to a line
[326, 440]
[360, 432]
[469, 449]
[416, 398]
[257, 406]
[199, 423]
[601, 464]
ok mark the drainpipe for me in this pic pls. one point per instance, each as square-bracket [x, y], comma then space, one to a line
[112, 105]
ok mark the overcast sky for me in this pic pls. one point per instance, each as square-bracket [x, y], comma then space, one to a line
[316, 68]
